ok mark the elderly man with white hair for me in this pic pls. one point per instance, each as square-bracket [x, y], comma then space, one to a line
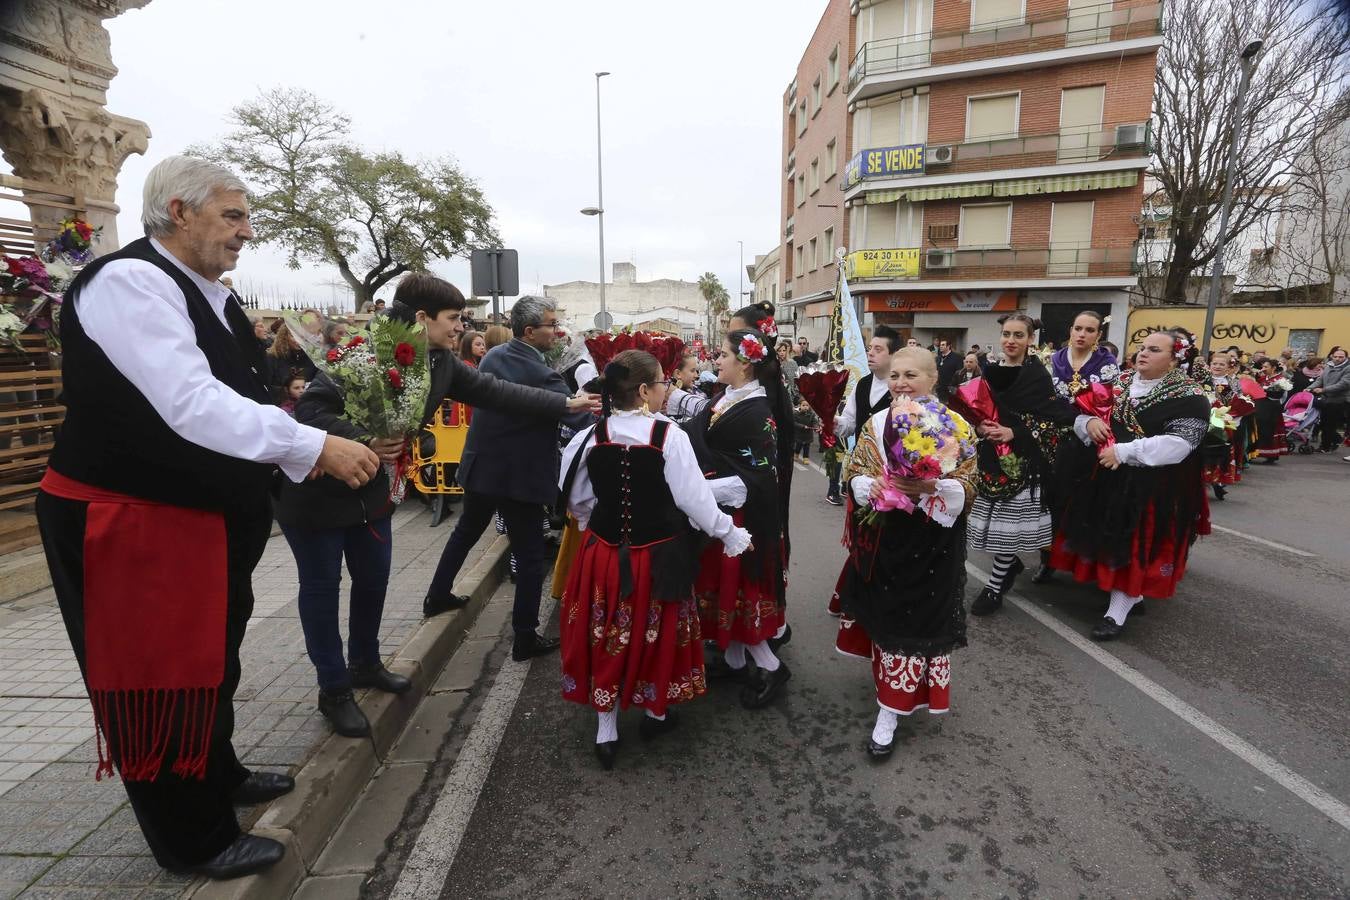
[154, 511]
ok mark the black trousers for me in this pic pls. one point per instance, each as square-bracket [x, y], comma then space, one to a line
[524, 529]
[185, 821]
[1333, 419]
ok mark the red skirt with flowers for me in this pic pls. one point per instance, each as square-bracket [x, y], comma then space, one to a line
[626, 651]
[1226, 471]
[1156, 578]
[732, 606]
[905, 684]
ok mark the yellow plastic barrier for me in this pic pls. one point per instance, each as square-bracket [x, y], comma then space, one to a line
[435, 474]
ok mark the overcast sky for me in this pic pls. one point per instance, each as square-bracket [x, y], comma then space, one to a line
[692, 113]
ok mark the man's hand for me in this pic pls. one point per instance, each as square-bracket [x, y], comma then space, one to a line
[584, 403]
[1098, 431]
[347, 461]
[388, 449]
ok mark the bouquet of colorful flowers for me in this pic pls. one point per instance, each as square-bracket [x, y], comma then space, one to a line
[384, 377]
[922, 439]
[74, 242]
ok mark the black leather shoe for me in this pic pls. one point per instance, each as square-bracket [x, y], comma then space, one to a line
[529, 644]
[1017, 568]
[436, 606]
[651, 728]
[987, 603]
[716, 669]
[378, 677]
[339, 708]
[248, 854]
[260, 787]
[763, 688]
[776, 642]
[607, 753]
[1107, 630]
[1219, 491]
[1045, 574]
[878, 752]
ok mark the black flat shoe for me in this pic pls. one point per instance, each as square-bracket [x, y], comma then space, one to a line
[378, 677]
[529, 644]
[1220, 492]
[651, 728]
[833, 501]
[247, 855]
[607, 753]
[434, 607]
[776, 642]
[987, 603]
[878, 752]
[260, 787]
[1017, 568]
[716, 669]
[764, 687]
[339, 708]
[1107, 630]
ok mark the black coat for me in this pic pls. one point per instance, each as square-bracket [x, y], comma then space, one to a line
[328, 503]
[948, 367]
[510, 456]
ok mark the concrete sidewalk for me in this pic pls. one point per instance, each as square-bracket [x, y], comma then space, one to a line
[62, 834]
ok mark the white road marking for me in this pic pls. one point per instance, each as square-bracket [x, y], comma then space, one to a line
[423, 876]
[1260, 540]
[1291, 781]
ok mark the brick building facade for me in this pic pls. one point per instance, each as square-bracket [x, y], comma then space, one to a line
[996, 159]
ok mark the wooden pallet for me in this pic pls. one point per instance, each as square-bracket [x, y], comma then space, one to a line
[30, 413]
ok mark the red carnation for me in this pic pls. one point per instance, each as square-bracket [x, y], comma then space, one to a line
[395, 378]
[333, 355]
[751, 348]
[356, 341]
[404, 354]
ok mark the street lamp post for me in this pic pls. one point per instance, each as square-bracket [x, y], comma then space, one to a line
[1225, 207]
[740, 284]
[599, 209]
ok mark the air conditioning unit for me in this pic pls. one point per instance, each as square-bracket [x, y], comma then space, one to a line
[939, 155]
[937, 259]
[1131, 137]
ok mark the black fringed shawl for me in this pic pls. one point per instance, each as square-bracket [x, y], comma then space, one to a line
[1027, 403]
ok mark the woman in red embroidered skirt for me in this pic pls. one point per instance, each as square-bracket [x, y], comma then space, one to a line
[630, 627]
[736, 438]
[904, 585]
[1135, 495]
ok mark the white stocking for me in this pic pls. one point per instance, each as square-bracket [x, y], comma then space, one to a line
[735, 655]
[763, 656]
[652, 715]
[608, 729]
[782, 630]
[884, 732]
[1121, 604]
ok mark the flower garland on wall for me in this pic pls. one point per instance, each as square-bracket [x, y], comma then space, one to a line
[32, 287]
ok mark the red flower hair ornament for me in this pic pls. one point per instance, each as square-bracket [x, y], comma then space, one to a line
[768, 327]
[750, 349]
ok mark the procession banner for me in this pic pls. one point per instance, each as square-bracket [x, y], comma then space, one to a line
[845, 346]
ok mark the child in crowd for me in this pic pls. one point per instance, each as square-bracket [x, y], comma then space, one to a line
[805, 424]
[832, 456]
[293, 388]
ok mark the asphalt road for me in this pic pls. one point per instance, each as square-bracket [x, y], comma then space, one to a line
[1057, 773]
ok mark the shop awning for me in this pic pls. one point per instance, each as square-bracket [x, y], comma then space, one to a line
[1060, 184]
[1017, 187]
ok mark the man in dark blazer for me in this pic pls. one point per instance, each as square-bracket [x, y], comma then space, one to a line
[948, 365]
[510, 466]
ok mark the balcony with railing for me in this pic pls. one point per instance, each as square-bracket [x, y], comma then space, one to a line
[1016, 262]
[1082, 30]
[1125, 141]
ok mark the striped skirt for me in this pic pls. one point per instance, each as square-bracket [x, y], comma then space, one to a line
[1014, 525]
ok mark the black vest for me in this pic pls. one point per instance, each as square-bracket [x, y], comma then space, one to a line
[862, 397]
[112, 438]
[617, 473]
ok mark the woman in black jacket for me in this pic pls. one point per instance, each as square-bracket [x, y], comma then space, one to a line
[325, 521]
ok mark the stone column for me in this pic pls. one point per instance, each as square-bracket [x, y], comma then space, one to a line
[55, 66]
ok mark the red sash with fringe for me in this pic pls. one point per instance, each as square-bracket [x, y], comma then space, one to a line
[155, 588]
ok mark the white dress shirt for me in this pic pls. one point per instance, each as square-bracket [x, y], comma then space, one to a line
[1159, 450]
[943, 506]
[138, 317]
[687, 485]
[845, 421]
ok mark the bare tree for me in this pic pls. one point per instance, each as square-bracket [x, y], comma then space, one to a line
[1313, 246]
[1299, 76]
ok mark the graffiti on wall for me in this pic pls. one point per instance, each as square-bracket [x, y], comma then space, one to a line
[1237, 332]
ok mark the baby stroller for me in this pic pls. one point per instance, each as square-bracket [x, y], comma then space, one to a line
[1300, 420]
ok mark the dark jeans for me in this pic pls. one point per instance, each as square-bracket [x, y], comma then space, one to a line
[1333, 418]
[185, 821]
[318, 556]
[526, 535]
[804, 449]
